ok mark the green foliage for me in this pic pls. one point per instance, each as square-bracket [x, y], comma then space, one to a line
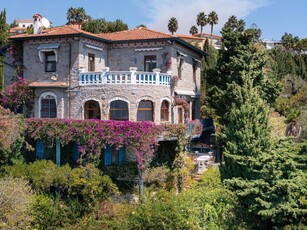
[84, 184]
[201, 21]
[76, 14]
[278, 195]
[285, 62]
[53, 213]
[240, 56]
[193, 30]
[15, 203]
[88, 185]
[246, 133]
[3, 29]
[289, 41]
[11, 138]
[172, 25]
[206, 206]
[100, 25]
[156, 176]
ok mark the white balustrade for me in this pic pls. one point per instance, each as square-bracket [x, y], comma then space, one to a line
[124, 77]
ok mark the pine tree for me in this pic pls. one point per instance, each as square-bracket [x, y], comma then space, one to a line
[239, 54]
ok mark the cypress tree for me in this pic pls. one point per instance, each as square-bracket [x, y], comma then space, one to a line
[239, 54]
[3, 28]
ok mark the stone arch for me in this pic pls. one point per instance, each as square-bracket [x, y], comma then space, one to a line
[119, 108]
[91, 109]
[47, 104]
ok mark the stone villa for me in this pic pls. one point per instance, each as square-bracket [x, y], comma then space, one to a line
[128, 75]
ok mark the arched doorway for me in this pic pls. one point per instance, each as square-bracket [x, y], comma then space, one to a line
[92, 110]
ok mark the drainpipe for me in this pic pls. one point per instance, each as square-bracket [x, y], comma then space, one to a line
[69, 82]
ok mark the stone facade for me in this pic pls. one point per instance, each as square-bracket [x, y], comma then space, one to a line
[72, 54]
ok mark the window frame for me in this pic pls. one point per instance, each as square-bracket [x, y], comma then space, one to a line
[96, 111]
[48, 96]
[91, 62]
[119, 109]
[152, 60]
[164, 111]
[145, 109]
[47, 62]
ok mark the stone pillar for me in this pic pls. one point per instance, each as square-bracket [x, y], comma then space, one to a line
[133, 74]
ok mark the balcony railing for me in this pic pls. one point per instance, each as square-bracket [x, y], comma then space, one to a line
[125, 77]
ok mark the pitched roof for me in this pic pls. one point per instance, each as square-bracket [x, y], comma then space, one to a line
[189, 37]
[26, 20]
[57, 31]
[137, 34]
[140, 33]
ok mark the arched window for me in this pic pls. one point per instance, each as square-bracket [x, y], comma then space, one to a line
[164, 113]
[48, 108]
[145, 111]
[119, 110]
[92, 110]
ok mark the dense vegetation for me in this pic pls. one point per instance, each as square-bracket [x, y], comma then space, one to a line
[260, 185]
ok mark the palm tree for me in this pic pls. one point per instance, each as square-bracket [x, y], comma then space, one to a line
[212, 20]
[193, 30]
[76, 14]
[172, 25]
[201, 21]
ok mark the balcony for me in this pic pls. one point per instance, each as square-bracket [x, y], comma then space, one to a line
[125, 77]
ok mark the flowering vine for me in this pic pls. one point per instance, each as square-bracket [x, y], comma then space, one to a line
[17, 94]
[93, 135]
[183, 102]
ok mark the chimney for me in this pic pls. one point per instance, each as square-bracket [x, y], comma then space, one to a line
[75, 24]
[37, 21]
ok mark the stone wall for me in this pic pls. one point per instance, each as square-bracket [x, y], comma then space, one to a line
[132, 94]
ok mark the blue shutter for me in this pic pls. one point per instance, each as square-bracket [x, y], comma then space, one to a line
[107, 155]
[39, 149]
[121, 155]
[76, 153]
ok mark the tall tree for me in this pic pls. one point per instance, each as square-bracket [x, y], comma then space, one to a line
[3, 29]
[239, 55]
[289, 41]
[212, 20]
[172, 25]
[77, 14]
[193, 30]
[201, 21]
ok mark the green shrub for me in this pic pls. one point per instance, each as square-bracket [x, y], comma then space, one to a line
[15, 203]
[156, 176]
[89, 185]
[50, 213]
[86, 184]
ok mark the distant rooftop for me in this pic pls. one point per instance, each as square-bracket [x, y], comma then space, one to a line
[24, 20]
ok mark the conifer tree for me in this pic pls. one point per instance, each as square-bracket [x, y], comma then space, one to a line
[3, 28]
[239, 54]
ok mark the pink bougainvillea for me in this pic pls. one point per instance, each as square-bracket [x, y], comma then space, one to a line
[17, 94]
[93, 135]
[184, 103]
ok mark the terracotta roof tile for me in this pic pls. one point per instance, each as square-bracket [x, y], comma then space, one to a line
[48, 84]
[56, 31]
[140, 33]
[189, 37]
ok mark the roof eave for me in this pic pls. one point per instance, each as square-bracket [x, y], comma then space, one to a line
[60, 36]
[202, 53]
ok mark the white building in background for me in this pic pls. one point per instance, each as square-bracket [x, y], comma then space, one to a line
[24, 23]
[270, 44]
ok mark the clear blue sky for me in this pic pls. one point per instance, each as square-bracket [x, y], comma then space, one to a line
[273, 17]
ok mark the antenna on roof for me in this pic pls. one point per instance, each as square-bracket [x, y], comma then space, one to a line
[45, 22]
